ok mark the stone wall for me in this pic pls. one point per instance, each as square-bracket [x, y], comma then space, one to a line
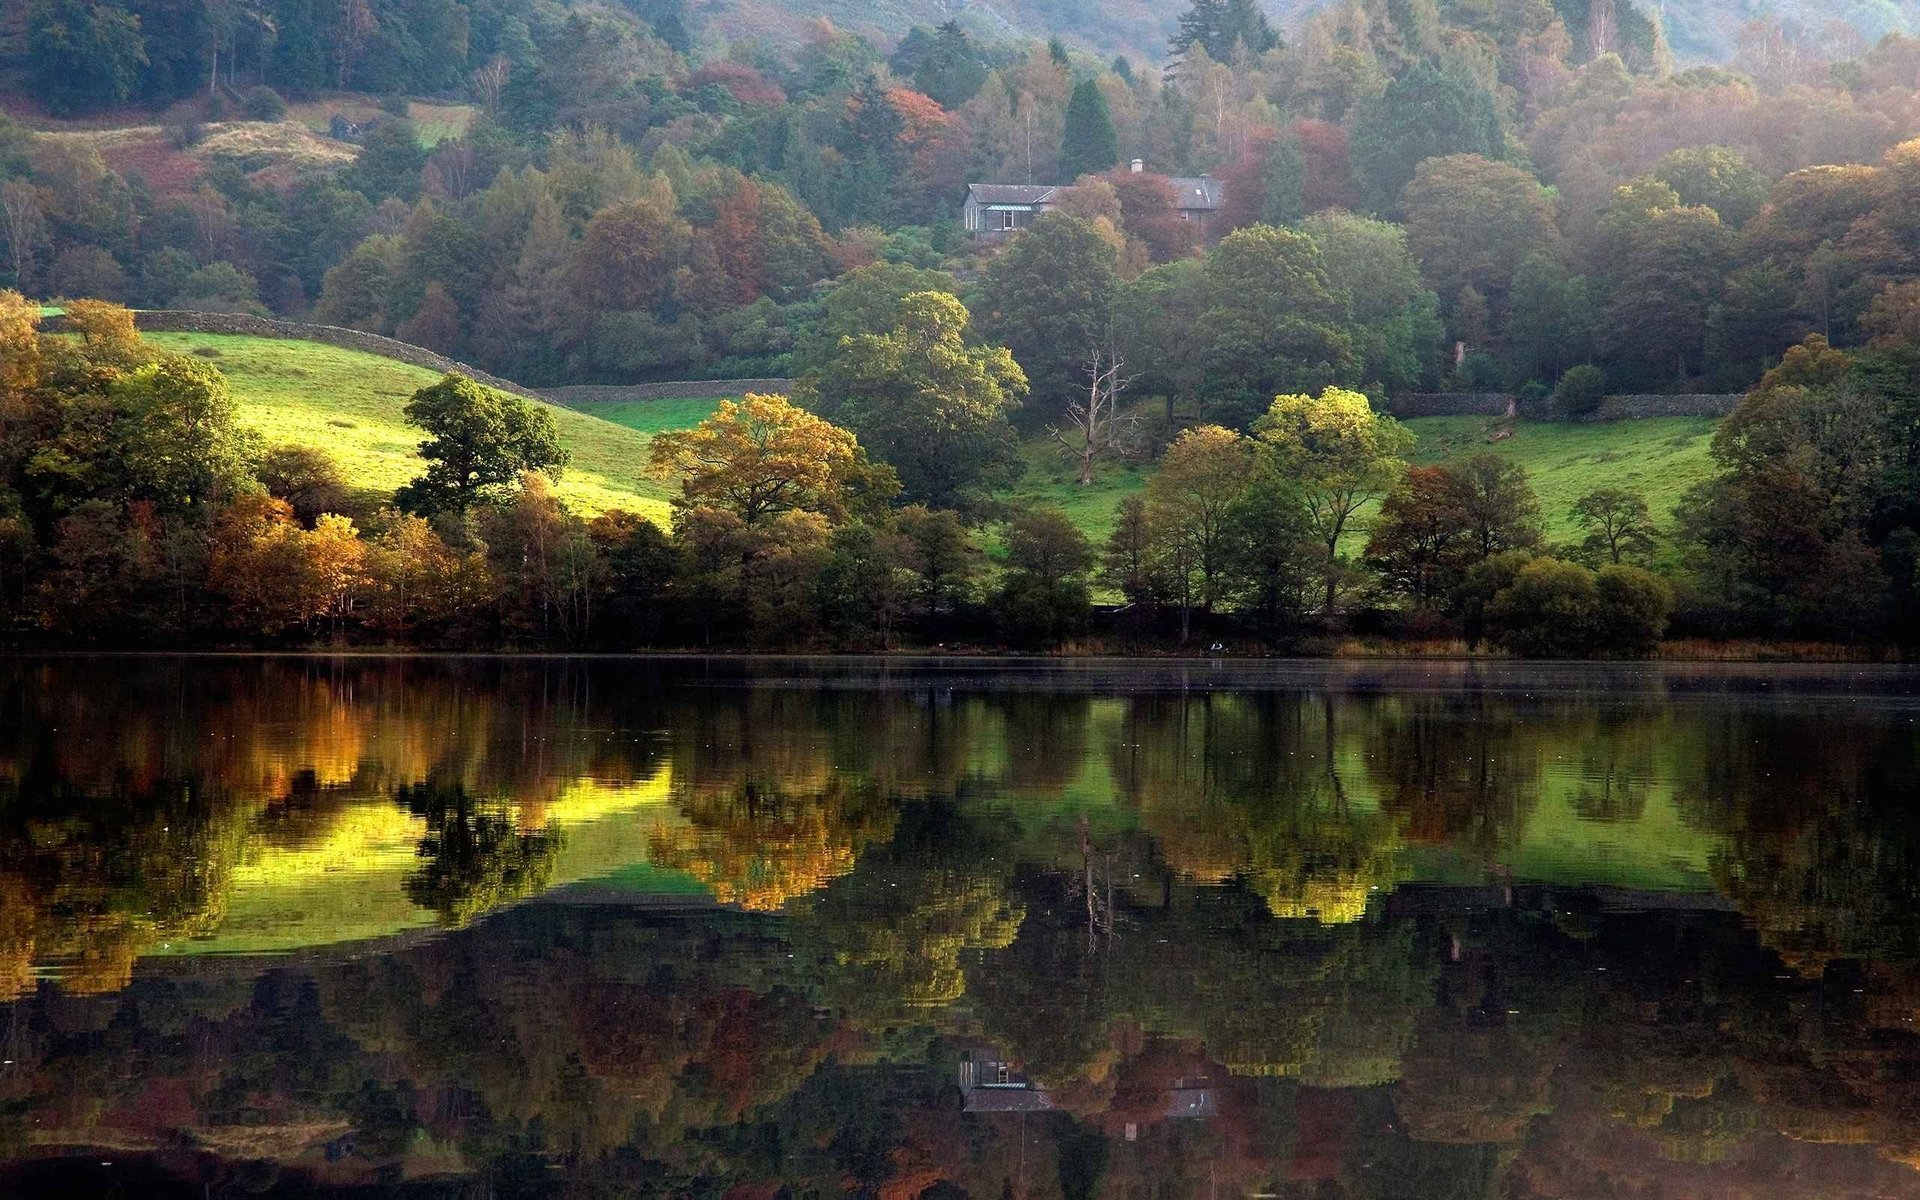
[1451, 404]
[1634, 408]
[1613, 408]
[587, 395]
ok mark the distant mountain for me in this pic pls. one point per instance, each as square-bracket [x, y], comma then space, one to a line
[1697, 30]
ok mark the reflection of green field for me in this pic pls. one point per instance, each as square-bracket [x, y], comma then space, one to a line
[350, 884]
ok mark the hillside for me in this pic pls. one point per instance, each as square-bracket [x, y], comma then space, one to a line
[350, 403]
[1697, 30]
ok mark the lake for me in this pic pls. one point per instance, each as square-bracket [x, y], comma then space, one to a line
[747, 930]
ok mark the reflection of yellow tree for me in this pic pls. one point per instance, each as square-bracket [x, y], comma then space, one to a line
[898, 934]
[760, 847]
[1324, 861]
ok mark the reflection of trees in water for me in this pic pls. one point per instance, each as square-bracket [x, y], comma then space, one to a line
[476, 857]
[90, 881]
[758, 845]
[1258, 787]
[893, 931]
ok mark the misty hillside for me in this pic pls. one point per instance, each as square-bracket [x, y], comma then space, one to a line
[1696, 30]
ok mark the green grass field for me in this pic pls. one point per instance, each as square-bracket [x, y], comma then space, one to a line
[349, 404]
[1660, 458]
[654, 416]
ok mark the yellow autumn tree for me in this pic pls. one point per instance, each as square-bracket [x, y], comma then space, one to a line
[759, 457]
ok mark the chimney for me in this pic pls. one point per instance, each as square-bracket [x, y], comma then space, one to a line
[1139, 166]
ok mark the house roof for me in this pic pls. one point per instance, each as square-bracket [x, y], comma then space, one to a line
[1007, 1099]
[1012, 193]
[1196, 192]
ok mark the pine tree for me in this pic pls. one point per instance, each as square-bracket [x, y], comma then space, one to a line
[1090, 145]
[1225, 29]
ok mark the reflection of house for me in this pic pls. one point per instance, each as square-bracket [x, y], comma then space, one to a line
[989, 1083]
[994, 210]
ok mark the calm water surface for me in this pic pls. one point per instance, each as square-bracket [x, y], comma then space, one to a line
[755, 931]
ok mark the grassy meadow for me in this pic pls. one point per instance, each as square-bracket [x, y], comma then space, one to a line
[349, 403]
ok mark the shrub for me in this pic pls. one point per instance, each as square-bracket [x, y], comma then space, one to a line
[394, 105]
[1580, 391]
[262, 103]
[1548, 611]
[1634, 605]
[184, 124]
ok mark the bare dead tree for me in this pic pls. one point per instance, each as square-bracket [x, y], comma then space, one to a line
[24, 225]
[1603, 22]
[490, 82]
[1098, 426]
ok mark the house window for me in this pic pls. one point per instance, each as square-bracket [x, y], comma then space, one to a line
[1006, 219]
[1000, 1073]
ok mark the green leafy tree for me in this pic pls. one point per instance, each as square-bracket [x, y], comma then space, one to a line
[1043, 596]
[1718, 178]
[1619, 528]
[1272, 322]
[479, 443]
[1089, 145]
[1660, 287]
[84, 54]
[1393, 317]
[1202, 474]
[1049, 299]
[1471, 222]
[941, 555]
[1226, 29]
[1272, 558]
[922, 400]
[1427, 112]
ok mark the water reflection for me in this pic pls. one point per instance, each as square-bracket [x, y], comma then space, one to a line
[533, 927]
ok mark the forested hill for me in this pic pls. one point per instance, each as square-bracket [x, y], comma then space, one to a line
[1697, 30]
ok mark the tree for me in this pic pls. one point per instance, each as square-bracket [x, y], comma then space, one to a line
[1048, 298]
[922, 400]
[1202, 473]
[1228, 30]
[1551, 326]
[942, 62]
[1716, 177]
[1127, 560]
[1341, 454]
[1618, 526]
[1549, 610]
[1499, 506]
[1472, 222]
[1660, 287]
[1421, 541]
[1393, 317]
[84, 54]
[1272, 562]
[306, 477]
[1089, 145]
[861, 591]
[480, 442]
[758, 457]
[1427, 112]
[1154, 317]
[940, 552]
[1099, 427]
[1272, 321]
[1580, 391]
[1043, 596]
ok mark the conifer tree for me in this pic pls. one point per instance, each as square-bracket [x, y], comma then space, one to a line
[1090, 145]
